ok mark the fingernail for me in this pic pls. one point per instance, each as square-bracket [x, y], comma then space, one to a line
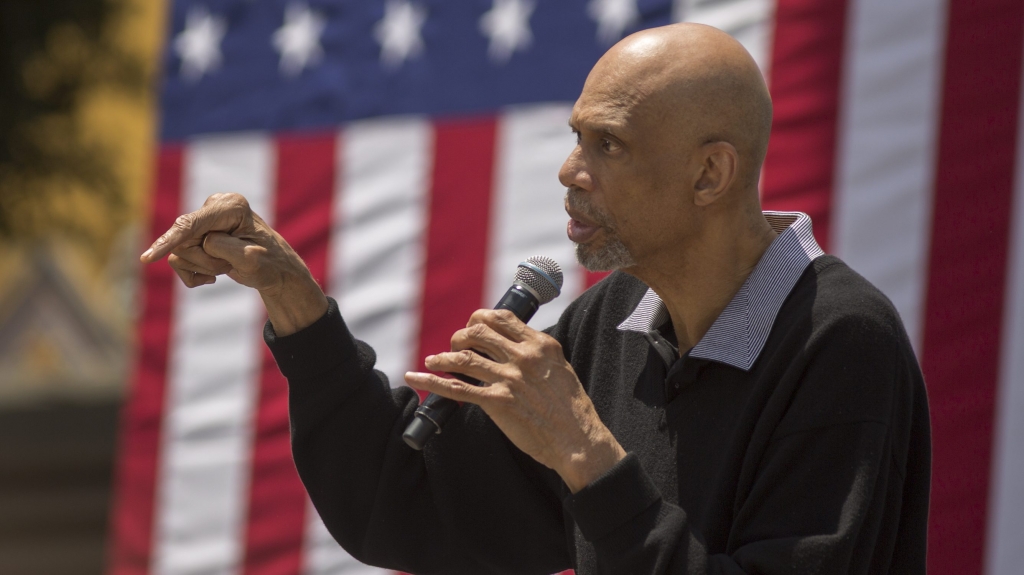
[146, 253]
[413, 376]
[429, 358]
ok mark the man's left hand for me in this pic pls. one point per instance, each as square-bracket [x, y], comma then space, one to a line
[530, 391]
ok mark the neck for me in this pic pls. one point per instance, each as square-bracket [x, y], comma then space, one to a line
[697, 282]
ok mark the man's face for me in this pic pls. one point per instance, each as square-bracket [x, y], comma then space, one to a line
[625, 179]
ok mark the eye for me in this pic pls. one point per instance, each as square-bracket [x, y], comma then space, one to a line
[608, 145]
[579, 138]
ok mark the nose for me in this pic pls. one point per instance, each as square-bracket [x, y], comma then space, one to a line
[573, 173]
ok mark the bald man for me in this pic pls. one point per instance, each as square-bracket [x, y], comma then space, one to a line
[731, 400]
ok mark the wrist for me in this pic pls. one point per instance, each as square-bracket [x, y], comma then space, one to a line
[294, 304]
[585, 465]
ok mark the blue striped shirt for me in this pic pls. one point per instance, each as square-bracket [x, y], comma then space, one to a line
[741, 330]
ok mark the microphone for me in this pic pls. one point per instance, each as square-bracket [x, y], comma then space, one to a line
[538, 280]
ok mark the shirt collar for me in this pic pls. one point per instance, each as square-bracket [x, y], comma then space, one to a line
[741, 330]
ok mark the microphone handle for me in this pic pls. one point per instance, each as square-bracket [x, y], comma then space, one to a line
[435, 410]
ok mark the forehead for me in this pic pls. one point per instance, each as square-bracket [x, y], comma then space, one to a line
[607, 104]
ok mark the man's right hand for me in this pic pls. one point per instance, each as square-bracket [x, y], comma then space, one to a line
[225, 237]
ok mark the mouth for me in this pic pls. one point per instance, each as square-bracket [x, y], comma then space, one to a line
[580, 229]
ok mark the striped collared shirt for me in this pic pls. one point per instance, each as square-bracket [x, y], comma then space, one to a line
[741, 330]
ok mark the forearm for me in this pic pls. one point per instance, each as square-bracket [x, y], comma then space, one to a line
[423, 512]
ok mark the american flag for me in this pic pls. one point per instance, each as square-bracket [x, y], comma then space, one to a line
[408, 149]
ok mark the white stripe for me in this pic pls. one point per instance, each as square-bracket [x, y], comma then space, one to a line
[377, 251]
[376, 266]
[1005, 552]
[527, 212]
[749, 21]
[214, 371]
[886, 150]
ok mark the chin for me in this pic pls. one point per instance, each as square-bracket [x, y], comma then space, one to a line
[609, 256]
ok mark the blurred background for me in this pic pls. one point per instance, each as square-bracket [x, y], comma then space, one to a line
[408, 150]
[77, 94]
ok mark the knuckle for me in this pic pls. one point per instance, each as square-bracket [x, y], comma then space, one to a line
[463, 358]
[184, 221]
[236, 201]
[551, 346]
[476, 330]
[504, 315]
[479, 316]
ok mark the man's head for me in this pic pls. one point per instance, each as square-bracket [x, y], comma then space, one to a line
[672, 129]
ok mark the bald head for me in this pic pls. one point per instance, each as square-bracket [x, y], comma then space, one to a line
[694, 81]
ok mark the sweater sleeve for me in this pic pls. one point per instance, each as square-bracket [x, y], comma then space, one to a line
[827, 486]
[457, 507]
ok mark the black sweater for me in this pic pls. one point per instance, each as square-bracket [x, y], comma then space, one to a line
[816, 460]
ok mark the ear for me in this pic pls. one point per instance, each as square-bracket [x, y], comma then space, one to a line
[718, 171]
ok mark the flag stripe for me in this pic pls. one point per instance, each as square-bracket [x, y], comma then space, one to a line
[528, 217]
[460, 208]
[591, 278]
[807, 57]
[277, 499]
[376, 265]
[886, 162]
[132, 515]
[213, 375]
[1004, 553]
[967, 268]
[380, 215]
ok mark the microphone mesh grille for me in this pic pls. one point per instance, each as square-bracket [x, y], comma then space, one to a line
[537, 282]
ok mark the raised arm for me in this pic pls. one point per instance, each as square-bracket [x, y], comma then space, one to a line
[225, 237]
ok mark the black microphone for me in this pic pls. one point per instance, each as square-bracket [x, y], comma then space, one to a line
[538, 280]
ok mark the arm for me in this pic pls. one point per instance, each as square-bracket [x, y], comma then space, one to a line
[826, 492]
[459, 507]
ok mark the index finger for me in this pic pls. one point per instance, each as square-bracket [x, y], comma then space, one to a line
[183, 230]
[502, 321]
[220, 212]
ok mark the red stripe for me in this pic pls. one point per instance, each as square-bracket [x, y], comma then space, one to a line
[967, 269]
[135, 484]
[591, 278]
[460, 206]
[807, 58]
[277, 499]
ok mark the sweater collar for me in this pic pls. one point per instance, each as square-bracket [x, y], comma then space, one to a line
[741, 330]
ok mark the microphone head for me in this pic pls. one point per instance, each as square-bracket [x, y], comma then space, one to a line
[542, 276]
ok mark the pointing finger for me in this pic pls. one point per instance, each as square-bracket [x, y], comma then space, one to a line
[220, 212]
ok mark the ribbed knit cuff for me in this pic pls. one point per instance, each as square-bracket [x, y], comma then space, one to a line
[313, 350]
[613, 499]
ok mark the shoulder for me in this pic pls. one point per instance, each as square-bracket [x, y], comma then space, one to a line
[841, 303]
[841, 350]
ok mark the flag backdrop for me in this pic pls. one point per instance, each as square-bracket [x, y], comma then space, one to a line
[409, 151]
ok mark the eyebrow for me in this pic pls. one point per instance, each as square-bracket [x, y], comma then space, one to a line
[600, 128]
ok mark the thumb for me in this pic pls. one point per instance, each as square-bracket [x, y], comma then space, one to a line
[226, 247]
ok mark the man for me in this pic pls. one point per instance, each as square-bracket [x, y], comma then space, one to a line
[734, 402]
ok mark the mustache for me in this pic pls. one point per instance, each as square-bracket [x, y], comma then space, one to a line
[579, 202]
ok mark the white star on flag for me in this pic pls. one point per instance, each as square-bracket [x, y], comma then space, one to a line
[398, 32]
[613, 17]
[507, 24]
[298, 39]
[198, 45]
